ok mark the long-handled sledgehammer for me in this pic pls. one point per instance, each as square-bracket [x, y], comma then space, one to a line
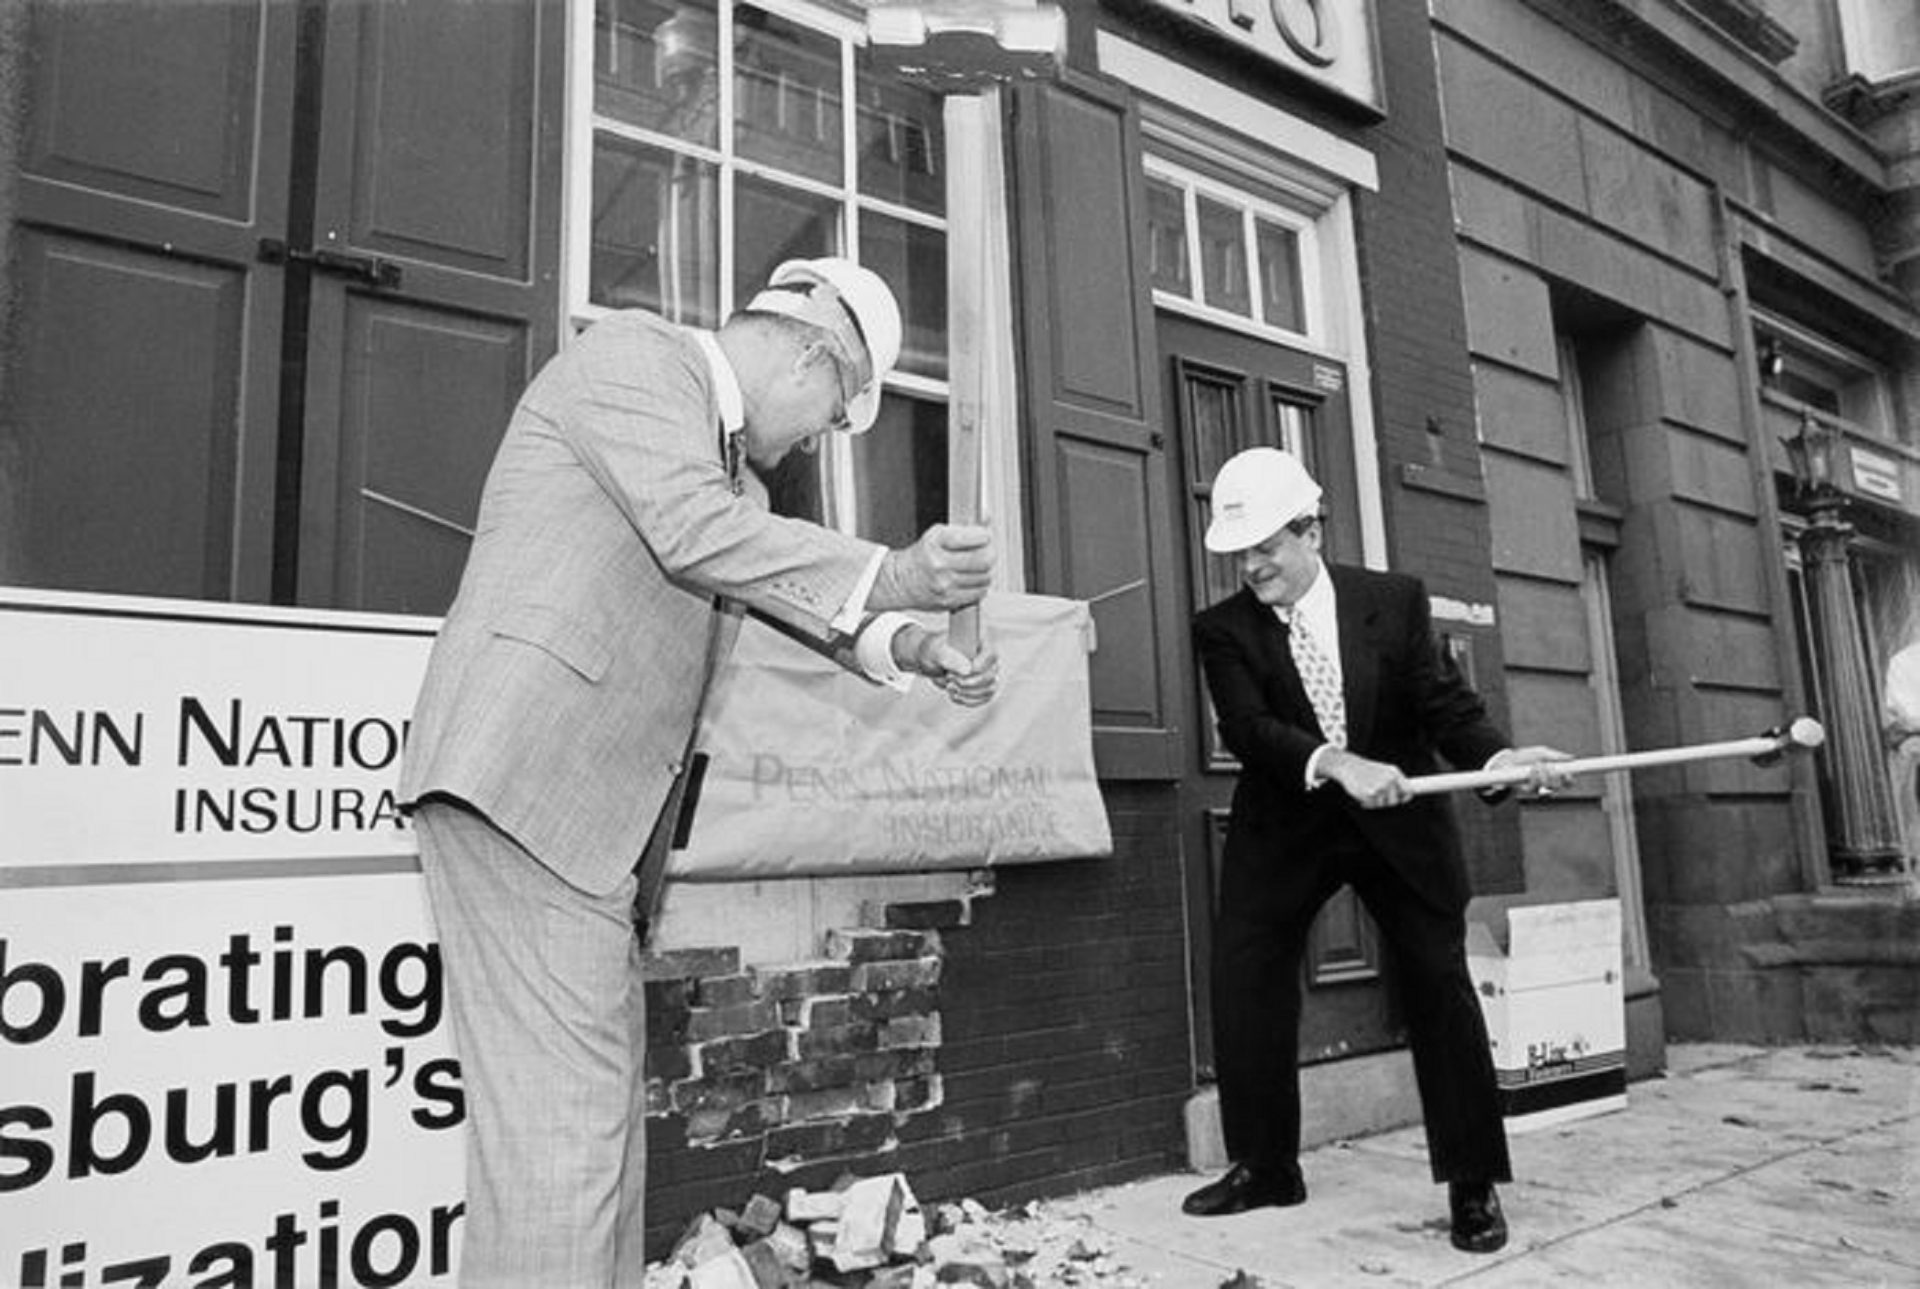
[966, 50]
[1804, 734]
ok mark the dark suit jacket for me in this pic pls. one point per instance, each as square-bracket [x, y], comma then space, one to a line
[1406, 704]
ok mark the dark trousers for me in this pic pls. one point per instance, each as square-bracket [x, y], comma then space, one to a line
[1260, 941]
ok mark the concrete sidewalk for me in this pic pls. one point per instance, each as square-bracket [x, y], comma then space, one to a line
[1740, 1167]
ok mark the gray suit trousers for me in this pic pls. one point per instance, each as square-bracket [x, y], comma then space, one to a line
[549, 1022]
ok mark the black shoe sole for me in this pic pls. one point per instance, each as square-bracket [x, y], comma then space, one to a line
[1284, 1199]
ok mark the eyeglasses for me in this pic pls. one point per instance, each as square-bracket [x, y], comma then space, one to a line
[848, 378]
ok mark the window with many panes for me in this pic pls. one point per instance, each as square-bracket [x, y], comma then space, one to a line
[721, 145]
[1221, 253]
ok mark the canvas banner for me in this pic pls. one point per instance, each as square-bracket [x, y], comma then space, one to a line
[815, 770]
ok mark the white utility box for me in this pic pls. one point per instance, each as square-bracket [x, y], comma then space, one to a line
[1553, 999]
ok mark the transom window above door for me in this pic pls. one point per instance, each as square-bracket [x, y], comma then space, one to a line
[718, 145]
[1221, 253]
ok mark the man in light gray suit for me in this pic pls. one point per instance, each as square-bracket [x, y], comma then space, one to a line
[617, 530]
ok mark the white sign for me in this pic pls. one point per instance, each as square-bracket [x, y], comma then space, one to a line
[221, 1017]
[1876, 475]
[1330, 42]
[239, 1083]
[151, 730]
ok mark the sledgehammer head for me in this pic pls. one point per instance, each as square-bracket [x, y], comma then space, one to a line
[1803, 735]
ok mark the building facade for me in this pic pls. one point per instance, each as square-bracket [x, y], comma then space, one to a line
[1544, 293]
[1686, 244]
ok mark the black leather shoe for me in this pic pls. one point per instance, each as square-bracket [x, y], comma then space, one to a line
[1245, 1187]
[1478, 1224]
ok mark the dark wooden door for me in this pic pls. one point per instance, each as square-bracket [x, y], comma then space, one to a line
[437, 188]
[136, 416]
[275, 274]
[1224, 392]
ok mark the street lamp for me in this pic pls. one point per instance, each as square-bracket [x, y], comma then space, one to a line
[1811, 460]
[1863, 841]
[1810, 456]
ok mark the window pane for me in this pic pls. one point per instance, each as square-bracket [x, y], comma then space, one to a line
[656, 232]
[1214, 420]
[786, 95]
[653, 65]
[902, 142]
[1280, 300]
[1293, 422]
[1167, 238]
[900, 471]
[1223, 257]
[913, 261]
[773, 224]
[1808, 382]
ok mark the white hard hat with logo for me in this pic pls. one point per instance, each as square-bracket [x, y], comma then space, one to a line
[856, 310]
[1255, 494]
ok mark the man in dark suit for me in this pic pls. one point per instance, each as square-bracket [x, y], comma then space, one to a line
[1331, 690]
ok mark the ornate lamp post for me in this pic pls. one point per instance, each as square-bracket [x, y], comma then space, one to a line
[1864, 838]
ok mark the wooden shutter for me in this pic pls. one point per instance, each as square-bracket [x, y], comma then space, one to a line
[136, 432]
[439, 155]
[1099, 497]
[213, 384]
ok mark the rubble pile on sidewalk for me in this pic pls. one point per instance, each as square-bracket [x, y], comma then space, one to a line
[870, 1233]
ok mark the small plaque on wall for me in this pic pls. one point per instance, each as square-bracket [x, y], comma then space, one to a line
[1876, 475]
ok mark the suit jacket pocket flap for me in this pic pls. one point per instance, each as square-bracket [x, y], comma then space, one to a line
[573, 642]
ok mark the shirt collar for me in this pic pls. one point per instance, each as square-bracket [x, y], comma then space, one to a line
[726, 385]
[1315, 607]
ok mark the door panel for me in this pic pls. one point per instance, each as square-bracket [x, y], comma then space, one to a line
[424, 151]
[439, 169]
[156, 103]
[130, 439]
[278, 270]
[420, 396]
[1225, 392]
[133, 402]
[1107, 552]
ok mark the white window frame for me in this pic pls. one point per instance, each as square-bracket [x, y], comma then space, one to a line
[1303, 225]
[584, 123]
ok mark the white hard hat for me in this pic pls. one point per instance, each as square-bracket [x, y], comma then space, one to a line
[1256, 494]
[856, 310]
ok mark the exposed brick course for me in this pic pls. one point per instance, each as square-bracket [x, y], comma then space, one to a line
[1037, 1042]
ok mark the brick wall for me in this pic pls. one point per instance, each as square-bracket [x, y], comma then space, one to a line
[1029, 1040]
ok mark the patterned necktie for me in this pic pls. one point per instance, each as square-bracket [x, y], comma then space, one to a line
[1317, 674]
